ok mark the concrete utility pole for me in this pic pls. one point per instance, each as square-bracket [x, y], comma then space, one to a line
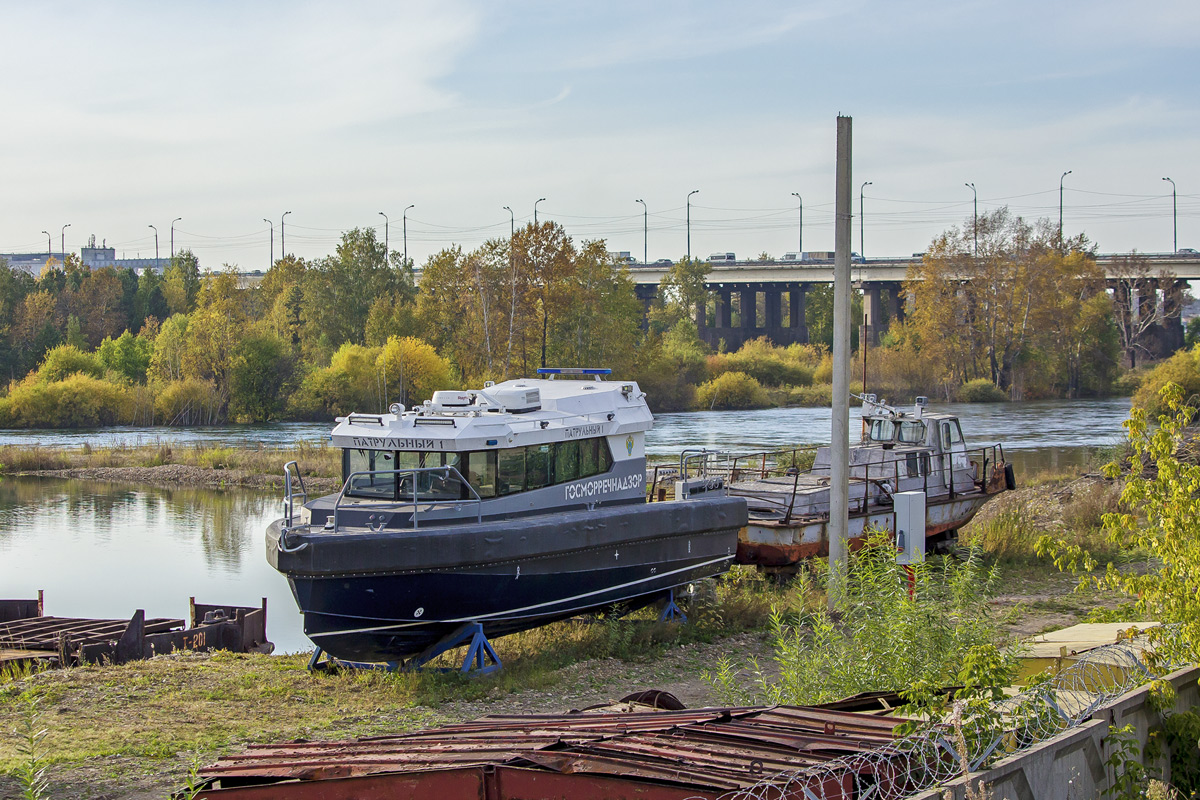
[49, 246]
[689, 222]
[404, 220]
[272, 224]
[862, 224]
[156, 267]
[839, 441]
[1060, 195]
[386, 221]
[800, 252]
[645, 231]
[975, 225]
[177, 219]
[62, 243]
[1174, 217]
[283, 236]
[539, 200]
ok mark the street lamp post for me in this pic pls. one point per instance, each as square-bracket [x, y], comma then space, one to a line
[540, 199]
[177, 219]
[512, 223]
[689, 222]
[975, 225]
[405, 221]
[282, 236]
[645, 231]
[62, 243]
[272, 224]
[385, 235]
[1174, 218]
[49, 246]
[156, 266]
[800, 251]
[862, 222]
[1060, 205]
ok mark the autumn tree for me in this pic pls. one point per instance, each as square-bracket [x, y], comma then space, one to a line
[339, 290]
[682, 288]
[493, 311]
[599, 326]
[166, 361]
[981, 314]
[260, 369]
[546, 255]
[214, 330]
[411, 370]
[181, 282]
[461, 308]
[1137, 312]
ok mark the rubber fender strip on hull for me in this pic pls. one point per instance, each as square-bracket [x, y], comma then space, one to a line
[510, 611]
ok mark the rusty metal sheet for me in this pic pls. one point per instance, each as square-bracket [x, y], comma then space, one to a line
[701, 752]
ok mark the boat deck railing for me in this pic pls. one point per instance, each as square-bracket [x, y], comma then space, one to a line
[936, 470]
[291, 477]
[447, 474]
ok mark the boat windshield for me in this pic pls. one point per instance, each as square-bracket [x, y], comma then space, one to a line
[905, 431]
[491, 473]
[911, 432]
[882, 430]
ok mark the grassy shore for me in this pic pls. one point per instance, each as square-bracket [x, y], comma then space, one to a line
[133, 731]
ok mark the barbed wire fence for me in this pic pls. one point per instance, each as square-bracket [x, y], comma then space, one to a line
[944, 751]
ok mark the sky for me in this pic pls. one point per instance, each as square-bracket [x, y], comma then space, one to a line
[115, 116]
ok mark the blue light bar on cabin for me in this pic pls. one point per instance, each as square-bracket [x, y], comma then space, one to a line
[572, 371]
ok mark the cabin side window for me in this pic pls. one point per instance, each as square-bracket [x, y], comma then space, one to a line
[538, 466]
[510, 470]
[481, 472]
[538, 469]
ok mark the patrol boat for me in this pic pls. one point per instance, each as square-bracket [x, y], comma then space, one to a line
[899, 451]
[502, 509]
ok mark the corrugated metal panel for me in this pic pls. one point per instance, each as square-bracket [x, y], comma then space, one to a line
[653, 754]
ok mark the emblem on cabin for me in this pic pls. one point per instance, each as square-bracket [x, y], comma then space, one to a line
[629, 444]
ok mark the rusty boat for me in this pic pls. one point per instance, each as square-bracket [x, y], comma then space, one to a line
[787, 492]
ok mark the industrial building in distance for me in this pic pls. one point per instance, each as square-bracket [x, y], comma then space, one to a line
[93, 257]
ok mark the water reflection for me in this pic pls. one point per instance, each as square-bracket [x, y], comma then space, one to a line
[105, 550]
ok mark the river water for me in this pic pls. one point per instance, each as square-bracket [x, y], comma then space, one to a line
[104, 550]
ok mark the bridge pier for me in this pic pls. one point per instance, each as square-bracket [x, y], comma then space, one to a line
[797, 296]
[872, 312]
[724, 308]
[747, 308]
[645, 293]
[896, 304]
[1173, 315]
[773, 302]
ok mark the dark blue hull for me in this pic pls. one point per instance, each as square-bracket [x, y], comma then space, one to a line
[375, 618]
[389, 596]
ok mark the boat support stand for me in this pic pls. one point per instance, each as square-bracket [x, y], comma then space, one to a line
[481, 658]
[671, 611]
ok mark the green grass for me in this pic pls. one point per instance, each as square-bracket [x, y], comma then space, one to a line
[208, 702]
[318, 460]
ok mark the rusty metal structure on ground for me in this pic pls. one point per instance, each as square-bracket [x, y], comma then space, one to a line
[626, 752]
[27, 635]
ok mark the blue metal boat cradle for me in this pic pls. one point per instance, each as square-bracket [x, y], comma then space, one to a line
[481, 658]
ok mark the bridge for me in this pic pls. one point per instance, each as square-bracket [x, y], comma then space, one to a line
[782, 287]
